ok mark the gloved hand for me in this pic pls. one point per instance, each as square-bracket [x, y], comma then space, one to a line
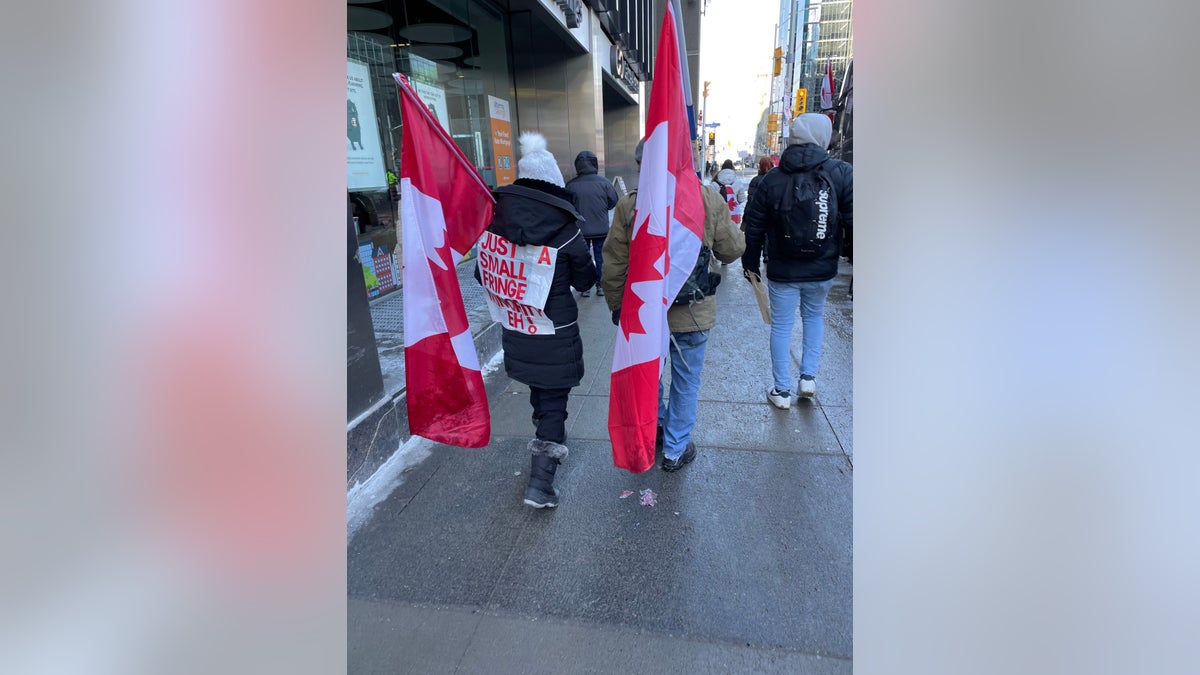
[616, 317]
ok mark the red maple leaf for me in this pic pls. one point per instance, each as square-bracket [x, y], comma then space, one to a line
[442, 254]
[644, 251]
[445, 279]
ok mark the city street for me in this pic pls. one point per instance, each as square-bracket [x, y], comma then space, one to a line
[740, 562]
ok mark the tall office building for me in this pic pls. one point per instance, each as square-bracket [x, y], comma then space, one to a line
[810, 33]
[834, 40]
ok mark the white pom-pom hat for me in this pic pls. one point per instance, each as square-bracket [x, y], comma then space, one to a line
[536, 161]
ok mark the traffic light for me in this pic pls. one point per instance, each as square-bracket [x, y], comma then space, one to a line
[712, 138]
[778, 61]
[706, 89]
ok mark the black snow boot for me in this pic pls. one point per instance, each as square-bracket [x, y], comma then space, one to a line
[543, 463]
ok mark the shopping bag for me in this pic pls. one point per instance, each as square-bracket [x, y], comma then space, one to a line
[760, 294]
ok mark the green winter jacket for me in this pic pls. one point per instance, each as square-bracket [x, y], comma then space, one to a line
[720, 234]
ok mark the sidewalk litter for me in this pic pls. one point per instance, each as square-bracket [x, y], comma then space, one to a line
[648, 496]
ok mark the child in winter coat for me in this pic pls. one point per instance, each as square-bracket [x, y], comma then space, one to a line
[531, 256]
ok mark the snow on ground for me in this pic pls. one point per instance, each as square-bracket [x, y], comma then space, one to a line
[363, 497]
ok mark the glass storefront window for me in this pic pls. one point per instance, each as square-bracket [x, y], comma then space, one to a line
[372, 110]
[455, 53]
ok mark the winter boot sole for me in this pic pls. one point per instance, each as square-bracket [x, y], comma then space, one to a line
[548, 504]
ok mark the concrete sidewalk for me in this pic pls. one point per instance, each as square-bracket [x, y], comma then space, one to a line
[742, 565]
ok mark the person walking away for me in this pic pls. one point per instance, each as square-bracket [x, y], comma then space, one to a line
[724, 185]
[764, 165]
[800, 213]
[689, 323]
[724, 180]
[740, 209]
[533, 213]
[593, 197]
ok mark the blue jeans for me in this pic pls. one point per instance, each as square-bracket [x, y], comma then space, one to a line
[678, 414]
[597, 244]
[784, 296]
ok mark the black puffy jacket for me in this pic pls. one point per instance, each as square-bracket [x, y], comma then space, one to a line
[753, 186]
[533, 212]
[592, 195]
[762, 216]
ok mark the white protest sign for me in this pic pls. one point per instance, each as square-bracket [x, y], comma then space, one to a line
[517, 281]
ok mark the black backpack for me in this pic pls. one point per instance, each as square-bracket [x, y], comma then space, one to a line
[700, 282]
[808, 216]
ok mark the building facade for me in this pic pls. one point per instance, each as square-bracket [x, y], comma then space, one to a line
[831, 40]
[574, 70]
[810, 34]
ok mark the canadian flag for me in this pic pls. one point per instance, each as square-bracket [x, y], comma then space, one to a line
[827, 85]
[668, 229]
[445, 207]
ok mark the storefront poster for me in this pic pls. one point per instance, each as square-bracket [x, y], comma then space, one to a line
[434, 98]
[364, 156]
[502, 147]
[516, 281]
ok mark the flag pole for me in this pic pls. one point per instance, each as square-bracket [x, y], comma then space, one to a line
[407, 90]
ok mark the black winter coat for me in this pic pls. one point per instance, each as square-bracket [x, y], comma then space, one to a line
[534, 212]
[753, 186]
[762, 216]
[592, 195]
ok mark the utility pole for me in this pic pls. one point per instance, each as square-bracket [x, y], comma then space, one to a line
[791, 61]
[805, 42]
[768, 147]
[703, 138]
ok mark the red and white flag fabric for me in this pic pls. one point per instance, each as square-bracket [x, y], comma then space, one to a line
[668, 230]
[827, 85]
[445, 207]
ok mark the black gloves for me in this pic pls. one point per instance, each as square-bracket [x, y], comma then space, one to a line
[616, 317]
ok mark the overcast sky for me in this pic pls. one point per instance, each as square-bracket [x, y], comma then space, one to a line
[737, 41]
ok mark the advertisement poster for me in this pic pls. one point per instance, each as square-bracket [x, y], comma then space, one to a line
[516, 281]
[434, 98]
[502, 142]
[364, 156]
